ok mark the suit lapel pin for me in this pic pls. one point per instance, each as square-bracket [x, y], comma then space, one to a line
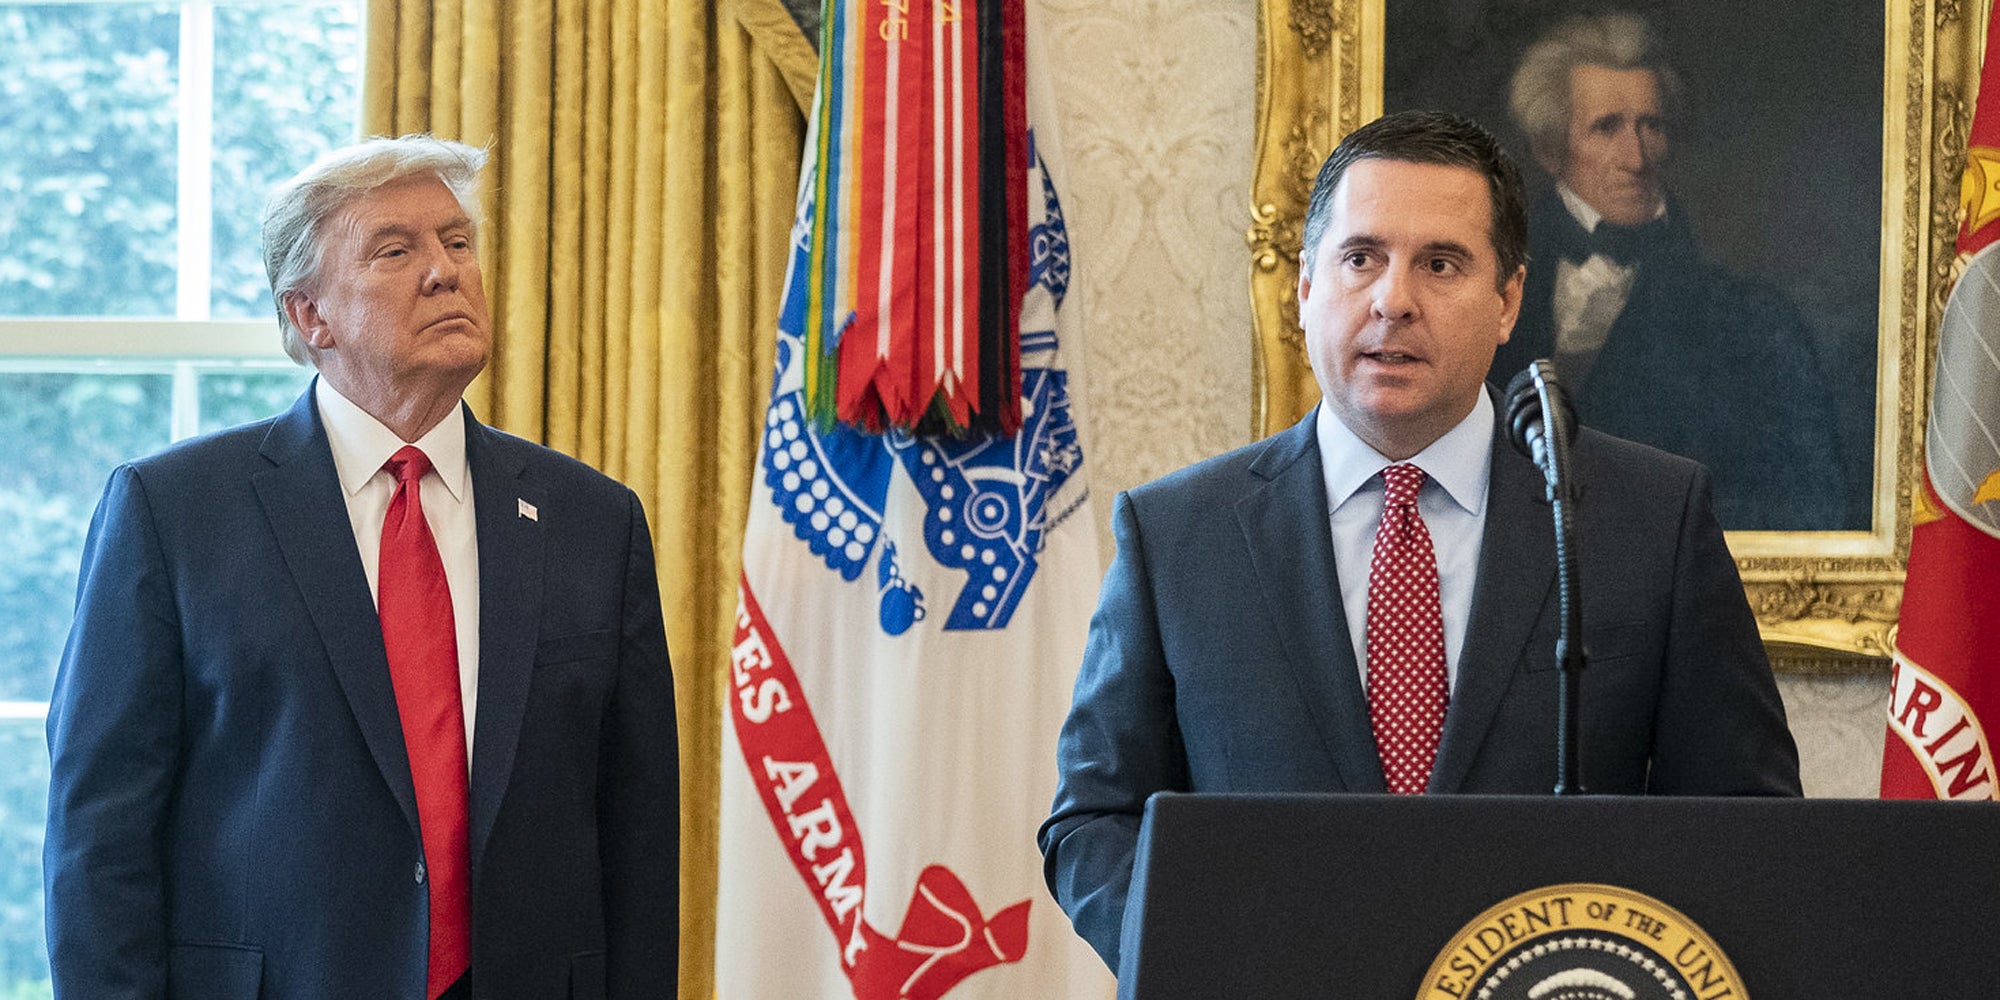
[527, 510]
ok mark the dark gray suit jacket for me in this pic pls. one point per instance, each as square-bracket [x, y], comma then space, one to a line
[231, 814]
[1219, 658]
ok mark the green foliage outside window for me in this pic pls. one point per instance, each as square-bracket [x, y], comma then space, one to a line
[89, 146]
[281, 98]
[87, 172]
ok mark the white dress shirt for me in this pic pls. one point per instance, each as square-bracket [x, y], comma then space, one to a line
[1588, 297]
[1456, 468]
[361, 446]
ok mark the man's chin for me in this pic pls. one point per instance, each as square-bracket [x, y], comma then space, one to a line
[458, 359]
[464, 342]
[1636, 210]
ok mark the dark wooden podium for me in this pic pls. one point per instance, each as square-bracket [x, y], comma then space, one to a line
[1275, 897]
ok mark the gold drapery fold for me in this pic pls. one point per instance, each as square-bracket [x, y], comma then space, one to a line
[645, 156]
[778, 37]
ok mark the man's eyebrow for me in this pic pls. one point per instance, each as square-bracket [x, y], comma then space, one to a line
[1450, 247]
[387, 230]
[403, 230]
[1370, 241]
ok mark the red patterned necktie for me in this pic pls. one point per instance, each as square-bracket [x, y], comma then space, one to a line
[1407, 686]
[422, 641]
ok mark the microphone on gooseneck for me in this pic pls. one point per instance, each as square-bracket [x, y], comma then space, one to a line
[1526, 421]
[1541, 422]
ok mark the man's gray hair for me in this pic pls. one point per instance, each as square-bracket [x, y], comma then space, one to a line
[1539, 94]
[293, 246]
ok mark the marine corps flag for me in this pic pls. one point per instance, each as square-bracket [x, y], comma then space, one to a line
[911, 615]
[1946, 682]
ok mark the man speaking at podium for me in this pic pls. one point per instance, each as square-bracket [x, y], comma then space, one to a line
[1367, 601]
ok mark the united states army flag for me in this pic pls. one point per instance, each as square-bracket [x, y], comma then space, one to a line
[912, 612]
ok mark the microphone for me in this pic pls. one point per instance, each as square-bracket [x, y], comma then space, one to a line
[1540, 422]
[1526, 417]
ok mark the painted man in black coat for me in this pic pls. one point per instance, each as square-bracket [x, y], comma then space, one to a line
[1657, 343]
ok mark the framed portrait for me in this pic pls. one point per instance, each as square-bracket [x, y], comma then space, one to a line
[1806, 158]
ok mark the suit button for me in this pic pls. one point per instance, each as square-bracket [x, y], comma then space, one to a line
[420, 873]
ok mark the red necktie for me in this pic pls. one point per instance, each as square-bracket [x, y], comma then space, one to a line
[1407, 686]
[422, 642]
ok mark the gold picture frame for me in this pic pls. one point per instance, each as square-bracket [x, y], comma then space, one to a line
[1825, 600]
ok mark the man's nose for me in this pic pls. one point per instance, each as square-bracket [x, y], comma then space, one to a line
[1635, 149]
[443, 274]
[1392, 294]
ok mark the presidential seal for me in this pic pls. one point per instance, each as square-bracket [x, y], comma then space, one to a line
[1581, 942]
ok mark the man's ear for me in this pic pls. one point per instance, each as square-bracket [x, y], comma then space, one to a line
[1510, 301]
[1305, 278]
[304, 314]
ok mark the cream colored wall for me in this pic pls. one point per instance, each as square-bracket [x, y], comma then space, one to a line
[1157, 115]
[1156, 119]
[1839, 722]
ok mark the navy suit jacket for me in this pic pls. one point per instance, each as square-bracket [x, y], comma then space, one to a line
[1219, 658]
[231, 813]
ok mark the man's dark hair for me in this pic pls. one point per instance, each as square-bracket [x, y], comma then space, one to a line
[1432, 137]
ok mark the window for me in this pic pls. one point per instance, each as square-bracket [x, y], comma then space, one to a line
[137, 143]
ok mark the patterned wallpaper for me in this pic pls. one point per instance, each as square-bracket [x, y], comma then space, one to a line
[1156, 108]
[1839, 722]
[1156, 114]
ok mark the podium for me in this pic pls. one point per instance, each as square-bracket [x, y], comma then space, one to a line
[1363, 896]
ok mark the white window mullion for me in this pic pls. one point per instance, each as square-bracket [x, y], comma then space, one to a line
[186, 418]
[195, 205]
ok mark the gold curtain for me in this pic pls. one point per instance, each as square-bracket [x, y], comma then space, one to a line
[644, 162]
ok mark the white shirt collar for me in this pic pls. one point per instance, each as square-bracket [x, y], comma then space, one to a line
[1586, 216]
[362, 444]
[1458, 462]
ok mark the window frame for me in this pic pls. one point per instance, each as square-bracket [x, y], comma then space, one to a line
[193, 341]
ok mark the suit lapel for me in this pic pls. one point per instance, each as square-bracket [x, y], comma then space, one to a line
[511, 558]
[308, 515]
[1516, 580]
[1285, 526]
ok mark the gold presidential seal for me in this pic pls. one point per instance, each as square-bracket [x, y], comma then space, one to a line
[1581, 941]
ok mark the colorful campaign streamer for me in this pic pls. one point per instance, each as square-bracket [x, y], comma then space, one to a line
[918, 246]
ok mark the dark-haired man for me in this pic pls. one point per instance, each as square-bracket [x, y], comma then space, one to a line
[1366, 602]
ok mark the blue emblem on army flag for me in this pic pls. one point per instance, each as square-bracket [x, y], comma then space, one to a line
[988, 500]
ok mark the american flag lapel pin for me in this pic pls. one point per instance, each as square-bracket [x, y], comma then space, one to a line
[527, 510]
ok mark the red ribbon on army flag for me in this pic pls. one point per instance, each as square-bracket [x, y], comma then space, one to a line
[889, 147]
[918, 253]
[944, 937]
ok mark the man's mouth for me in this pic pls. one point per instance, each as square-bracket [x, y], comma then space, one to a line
[1390, 357]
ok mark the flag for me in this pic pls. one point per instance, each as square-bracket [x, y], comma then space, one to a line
[919, 211]
[1945, 684]
[911, 614]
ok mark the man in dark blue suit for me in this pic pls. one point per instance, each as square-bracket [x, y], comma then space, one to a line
[1275, 621]
[247, 799]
